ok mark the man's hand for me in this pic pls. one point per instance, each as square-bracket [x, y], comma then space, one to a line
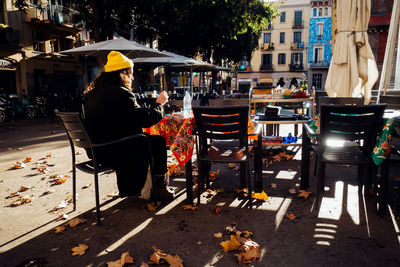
[162, 98]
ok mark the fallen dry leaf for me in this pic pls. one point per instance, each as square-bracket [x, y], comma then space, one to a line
[213, 175]
[60, 229]
[217, 210]
[232, 244]
[175, 170]
[250, 251]
[157, 257]
[143, 264]
[48, 155]
[174, 260]
[125, 258]
[59, 181]
[48, 192]
[261, 196]
[277, 158]
[289, 156]
[79, 250]
[76, 221]
[218, 235]
[290, 216]
[231, 228]
[14, 194]
[16, 203]
[304, 194]
[116, 263]
[86, 186]
[19, 165]
[20, 201]
[231, 165]
[24, 188]
[113, 194]
[273, 185]
[245, 234]
[43, 169]
[28, 159]
[189, 207]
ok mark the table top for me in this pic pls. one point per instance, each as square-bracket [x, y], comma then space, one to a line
[292, 99]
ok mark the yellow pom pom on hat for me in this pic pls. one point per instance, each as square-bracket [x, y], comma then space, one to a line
[117, 61]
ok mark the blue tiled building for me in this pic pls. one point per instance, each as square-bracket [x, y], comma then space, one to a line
[320, 42]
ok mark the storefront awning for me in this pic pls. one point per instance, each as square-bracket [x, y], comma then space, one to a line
[6, 64]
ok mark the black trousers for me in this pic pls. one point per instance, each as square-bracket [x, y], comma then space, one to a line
[159, 151]
[131, 159]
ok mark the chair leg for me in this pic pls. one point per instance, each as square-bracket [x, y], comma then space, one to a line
[319, 185]
[315, 164]
[200, 182]
[243, 174]
[249, 183]
[74, 186]
[361, 179]
[207, 173]
[154, 187]
[96, 189]
[323, 168]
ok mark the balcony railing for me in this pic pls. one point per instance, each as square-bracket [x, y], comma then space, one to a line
[267, 67]
[55, 14]
[319, 64]
[319, 37]
[298, 24]
[268, 46]
[297, 46]
[296, 67]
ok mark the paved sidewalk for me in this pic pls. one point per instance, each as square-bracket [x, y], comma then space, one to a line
[345, 232]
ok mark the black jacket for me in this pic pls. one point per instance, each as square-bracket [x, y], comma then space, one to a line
[111, 113]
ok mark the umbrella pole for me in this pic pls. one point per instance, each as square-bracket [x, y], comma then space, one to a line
[191, 80]
[163, 79]
[387, 62]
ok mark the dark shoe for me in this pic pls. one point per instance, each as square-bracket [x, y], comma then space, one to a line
[166, 194]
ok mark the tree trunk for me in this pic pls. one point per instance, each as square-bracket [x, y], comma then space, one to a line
[96, 7]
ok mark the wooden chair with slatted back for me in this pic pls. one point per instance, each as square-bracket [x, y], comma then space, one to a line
[78, 137]
[347, 136]
[222, 137]
[339, 101]
[392, 101]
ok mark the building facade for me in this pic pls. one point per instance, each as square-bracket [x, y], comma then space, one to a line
[29, 51]
[282, 48]
[320, 42]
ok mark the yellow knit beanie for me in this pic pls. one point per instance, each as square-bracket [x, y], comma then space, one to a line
[117, 61]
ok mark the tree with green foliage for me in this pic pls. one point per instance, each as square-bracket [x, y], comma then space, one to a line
[216, 30]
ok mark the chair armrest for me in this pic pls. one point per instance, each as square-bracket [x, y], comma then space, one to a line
[310, 131]
[135, 136]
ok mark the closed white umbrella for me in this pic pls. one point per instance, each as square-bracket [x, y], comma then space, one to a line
[353, 71]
